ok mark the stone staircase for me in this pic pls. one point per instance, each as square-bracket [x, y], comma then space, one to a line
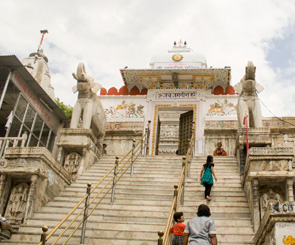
[143, 201]
[140, 209]
[229, 207]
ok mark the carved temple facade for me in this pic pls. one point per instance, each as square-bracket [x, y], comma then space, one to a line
[40, 153]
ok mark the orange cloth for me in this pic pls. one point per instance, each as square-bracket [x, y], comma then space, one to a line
[219, 152]
[178, 229]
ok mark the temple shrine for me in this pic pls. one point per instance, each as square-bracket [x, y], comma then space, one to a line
[178, 104]
[177, 91]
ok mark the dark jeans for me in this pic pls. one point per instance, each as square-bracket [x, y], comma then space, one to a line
[207, 189]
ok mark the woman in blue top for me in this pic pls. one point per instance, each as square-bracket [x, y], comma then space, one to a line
[206, 176]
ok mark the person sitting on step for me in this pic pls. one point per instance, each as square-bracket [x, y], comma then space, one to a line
[219, 151]
[178, 229]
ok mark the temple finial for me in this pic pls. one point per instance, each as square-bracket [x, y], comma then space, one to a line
[43, 32]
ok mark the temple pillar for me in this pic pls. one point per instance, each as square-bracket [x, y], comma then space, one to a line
[2, 183]
[256, 220]
[2, 186]
[289, 192]
[59, 155]
[31, 196]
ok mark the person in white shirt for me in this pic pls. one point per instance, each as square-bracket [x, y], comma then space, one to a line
[200, 230]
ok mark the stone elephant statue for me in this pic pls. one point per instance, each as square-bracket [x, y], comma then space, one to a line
[248, 102]
[289, 240]
[88, 106]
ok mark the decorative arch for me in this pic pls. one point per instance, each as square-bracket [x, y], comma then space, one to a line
[218, 90]
[103, 91]
[230, 90]
[113, 91]
[134, 91]
[123, 91]
[144, 91]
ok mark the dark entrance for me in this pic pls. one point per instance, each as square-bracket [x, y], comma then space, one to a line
[185, 131]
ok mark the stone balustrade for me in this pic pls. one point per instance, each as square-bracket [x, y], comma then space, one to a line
[6, 142]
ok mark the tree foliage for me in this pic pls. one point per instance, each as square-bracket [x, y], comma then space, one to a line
[67, 109]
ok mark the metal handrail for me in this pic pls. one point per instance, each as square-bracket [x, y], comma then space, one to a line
[164, 236]
[124, 166]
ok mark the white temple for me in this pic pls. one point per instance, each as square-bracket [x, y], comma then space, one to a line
[178, 85]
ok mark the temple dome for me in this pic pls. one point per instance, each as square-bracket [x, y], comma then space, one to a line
[180, 56]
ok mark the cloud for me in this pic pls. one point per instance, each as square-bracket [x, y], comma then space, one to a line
[108, 35]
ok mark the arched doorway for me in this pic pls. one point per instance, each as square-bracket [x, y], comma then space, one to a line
[172, 129]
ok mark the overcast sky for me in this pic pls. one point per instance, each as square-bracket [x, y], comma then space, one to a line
[109, 35]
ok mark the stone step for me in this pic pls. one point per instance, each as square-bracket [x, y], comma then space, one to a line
[238, 207]
[214, 198]
[231, 224]
[150, 232]
[133, 189]
[122, 210]
[72, 201]
[146, 177]
[135, 182]
[143, 201]
[107, 238]
[193, 185]
[224, 204]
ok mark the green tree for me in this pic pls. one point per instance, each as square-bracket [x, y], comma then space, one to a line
[67, 109]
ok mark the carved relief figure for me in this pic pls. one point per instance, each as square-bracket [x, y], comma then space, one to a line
[72, 163]
[16, 207]
[248, 103]
[266, 198]
[88, 106]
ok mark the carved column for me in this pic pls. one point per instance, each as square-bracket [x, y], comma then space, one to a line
[31, 198]
[256, 215]
[59, 154]
[290, 193]
[2, 185]
[83, 159]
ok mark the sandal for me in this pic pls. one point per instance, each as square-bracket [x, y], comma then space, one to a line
[208, 198]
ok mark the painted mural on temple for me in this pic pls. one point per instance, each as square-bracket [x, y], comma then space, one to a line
[222, 108]
[125, 109]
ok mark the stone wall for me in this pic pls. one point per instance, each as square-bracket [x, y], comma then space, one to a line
[80, 144]
[220, 131]
[33, 167]
[119, 136]
[268, 176]
[277, 225]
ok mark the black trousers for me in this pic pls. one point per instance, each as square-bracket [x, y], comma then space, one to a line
[207, 189]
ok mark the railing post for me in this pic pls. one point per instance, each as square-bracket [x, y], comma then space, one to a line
[43, 235]
[160, 239]
[146, 141]
[115, 179]
[2, 149]
[189, 166]
[183, 182]
[85, 214]
[175, 195]
[132, 158]
[24, 136]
